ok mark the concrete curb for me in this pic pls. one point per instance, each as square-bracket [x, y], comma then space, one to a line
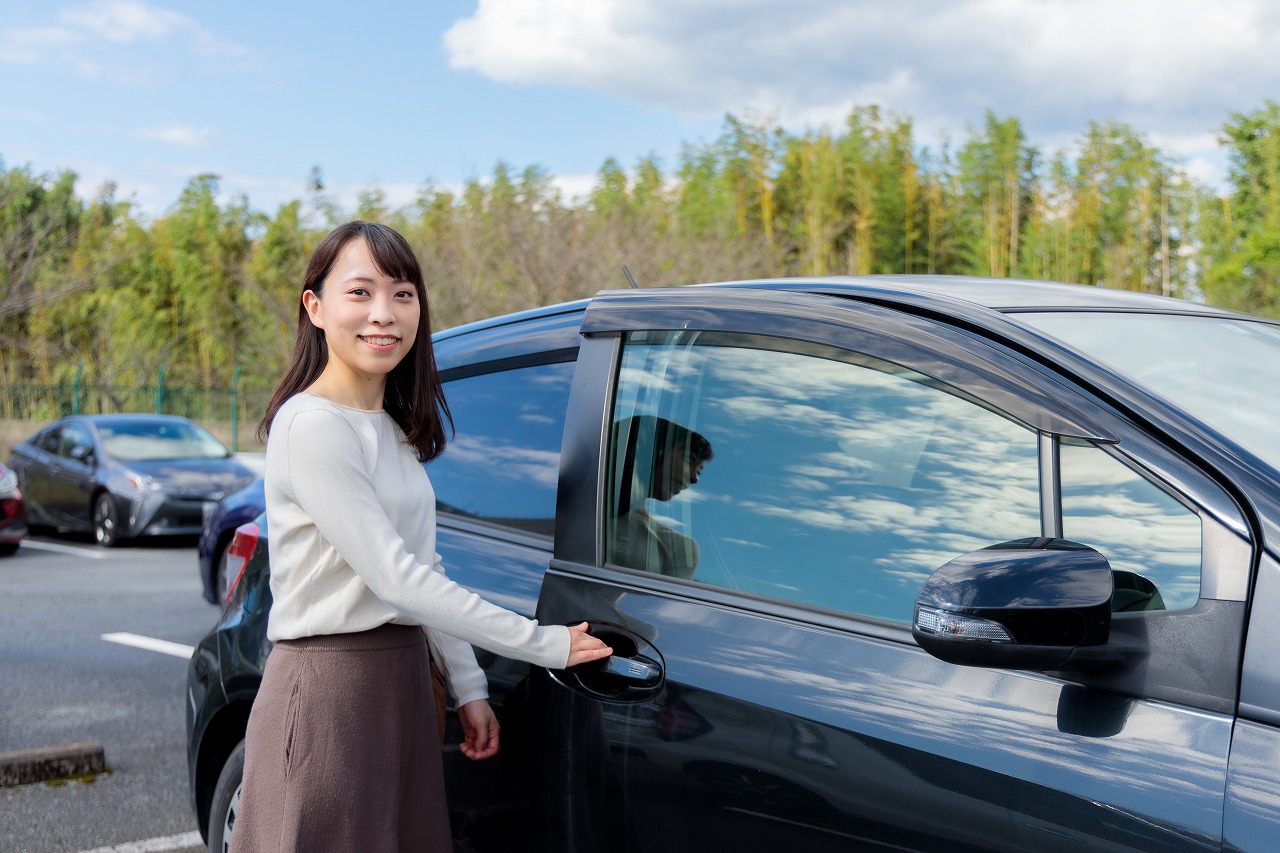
[51, 762]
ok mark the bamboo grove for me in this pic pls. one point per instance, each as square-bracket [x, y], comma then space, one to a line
[210, 286]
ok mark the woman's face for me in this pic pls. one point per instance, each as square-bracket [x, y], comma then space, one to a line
[370, 320]
[674, 475]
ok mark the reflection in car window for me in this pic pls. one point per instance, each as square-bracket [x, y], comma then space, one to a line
[504, 460]
[837, 481]
[1138, 527]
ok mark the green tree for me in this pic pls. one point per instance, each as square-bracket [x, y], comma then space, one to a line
[53, 249]
[997, 173]
[1241, 230]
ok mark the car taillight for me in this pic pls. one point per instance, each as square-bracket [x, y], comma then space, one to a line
[11, 509]
[239, 552]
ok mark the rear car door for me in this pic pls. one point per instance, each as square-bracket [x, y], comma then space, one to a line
[755, 485]
[72, 477]
[35, 471]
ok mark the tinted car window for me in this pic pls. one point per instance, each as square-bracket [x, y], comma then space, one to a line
[833, 480]
[503, 461]
[1137, 526]
[48, 440]
[154, 440]
[73, 437]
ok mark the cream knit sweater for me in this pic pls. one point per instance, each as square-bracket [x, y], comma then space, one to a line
[352, 521]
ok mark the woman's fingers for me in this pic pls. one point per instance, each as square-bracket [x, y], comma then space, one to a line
[583, 647]
[479, 730]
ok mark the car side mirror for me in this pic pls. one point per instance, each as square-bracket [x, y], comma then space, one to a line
[1037, 604]
[82, 453]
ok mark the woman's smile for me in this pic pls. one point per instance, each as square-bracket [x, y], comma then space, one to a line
[383, 343]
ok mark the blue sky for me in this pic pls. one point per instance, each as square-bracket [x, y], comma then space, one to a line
[148, 93]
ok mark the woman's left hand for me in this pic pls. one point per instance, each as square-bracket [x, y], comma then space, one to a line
[479, 730]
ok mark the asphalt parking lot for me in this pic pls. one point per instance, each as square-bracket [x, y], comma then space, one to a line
[93, 649]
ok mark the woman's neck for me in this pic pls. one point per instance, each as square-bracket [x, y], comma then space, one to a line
[350, 391]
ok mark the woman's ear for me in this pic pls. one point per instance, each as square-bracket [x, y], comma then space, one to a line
[312, 303]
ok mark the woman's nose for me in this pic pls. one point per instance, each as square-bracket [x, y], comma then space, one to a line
[380, 311]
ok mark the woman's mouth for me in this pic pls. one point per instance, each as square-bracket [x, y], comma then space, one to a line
[381, 341]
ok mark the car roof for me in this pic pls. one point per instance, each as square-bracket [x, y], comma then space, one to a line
[1003, 295]
[997, 294]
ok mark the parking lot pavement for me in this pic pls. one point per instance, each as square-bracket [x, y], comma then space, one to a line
[64, 683]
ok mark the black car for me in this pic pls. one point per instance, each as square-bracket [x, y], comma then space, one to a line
[892, 563]
[124, 476]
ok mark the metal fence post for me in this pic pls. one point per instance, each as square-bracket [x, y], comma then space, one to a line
[160, 390]
[75, 391]
[235, 413]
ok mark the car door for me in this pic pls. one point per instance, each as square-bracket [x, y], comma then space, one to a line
[36, 470]
[72, 476]
[755, 485]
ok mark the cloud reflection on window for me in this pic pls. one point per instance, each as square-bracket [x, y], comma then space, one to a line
[836, 484]
[844, 483]
[1135, 525]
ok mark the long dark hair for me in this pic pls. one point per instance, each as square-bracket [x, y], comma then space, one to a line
[668, 437]
[413, 397]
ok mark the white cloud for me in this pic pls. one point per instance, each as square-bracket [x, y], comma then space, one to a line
[24, 45]
[125, 21]
[117, 22]
[574, 189]
[177, 133]
[1164, 66]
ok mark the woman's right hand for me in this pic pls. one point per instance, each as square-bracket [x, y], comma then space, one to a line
[583, 647]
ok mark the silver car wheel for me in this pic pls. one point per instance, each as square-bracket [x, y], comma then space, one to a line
[105, 524]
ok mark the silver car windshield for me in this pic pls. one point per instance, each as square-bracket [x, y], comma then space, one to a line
[145, 441]
[1225, 371]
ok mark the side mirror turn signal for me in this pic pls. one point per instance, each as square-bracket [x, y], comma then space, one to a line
[1037, 604]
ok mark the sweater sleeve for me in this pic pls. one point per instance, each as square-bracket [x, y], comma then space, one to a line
[463, 676]
[340, 499]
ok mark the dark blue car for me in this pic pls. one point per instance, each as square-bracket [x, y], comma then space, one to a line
[219, 527]
[888, 563]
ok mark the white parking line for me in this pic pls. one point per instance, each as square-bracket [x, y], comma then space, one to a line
[91, 553]
[153, 845]
[151, 644]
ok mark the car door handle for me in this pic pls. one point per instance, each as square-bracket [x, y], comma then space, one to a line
[638, 668]
[633, 673]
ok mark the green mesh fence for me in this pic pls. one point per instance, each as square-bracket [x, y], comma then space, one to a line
[235, 413]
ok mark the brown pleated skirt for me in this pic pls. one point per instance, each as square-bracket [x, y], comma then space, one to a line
[342, 751]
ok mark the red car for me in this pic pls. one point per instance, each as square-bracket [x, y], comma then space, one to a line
[13, 512]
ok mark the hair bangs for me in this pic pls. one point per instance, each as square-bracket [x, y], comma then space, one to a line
[392, 254]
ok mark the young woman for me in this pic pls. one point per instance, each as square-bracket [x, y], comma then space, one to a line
[342, 751]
